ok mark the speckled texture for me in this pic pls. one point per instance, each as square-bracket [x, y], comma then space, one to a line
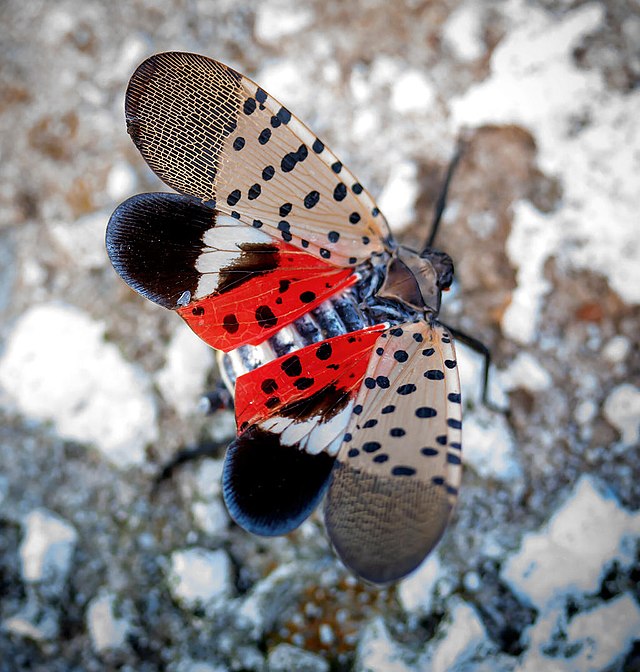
[540, 229]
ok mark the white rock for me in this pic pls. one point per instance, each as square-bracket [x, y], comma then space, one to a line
[536, 83]
[461, 636]
[412, 92]
[60, 23]
[277, 18]
[268, 598]
[34, 274]
[360, 85]
[471, 370]
[616, 349]
[416, 591]
[208, 478]
[488, 446]
[33, 623]
[286, 658]
[199, 576]
[482, 223]
[106, 630]
[366, 122]
[462, 32]
[47, 548]
[585, 411]
[527, 373]
[592, 641]
[399, 195]
[58, 367]
[604, 633]
[283, 79]
[189, 665]
[377, 652]
[82, 241]
[211, 517]
[182, 379]
[133, 49]
[548, 627]
[472, 581]
[568, 554]
[224, 426]
[531, 241]
[4, 488]
[326, 634]
[121, 181]
[622, 410]
[248, 657]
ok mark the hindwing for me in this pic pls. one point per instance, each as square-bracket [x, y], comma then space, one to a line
[291, 415]
[233, 285]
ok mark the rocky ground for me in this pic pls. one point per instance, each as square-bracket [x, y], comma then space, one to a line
[540, 567]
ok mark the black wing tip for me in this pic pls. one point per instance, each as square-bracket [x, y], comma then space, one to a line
[153, 241]
[271, 489]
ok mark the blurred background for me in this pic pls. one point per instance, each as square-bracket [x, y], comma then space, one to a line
[539, 568]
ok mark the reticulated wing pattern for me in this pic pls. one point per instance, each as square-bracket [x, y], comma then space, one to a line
[210, 132]
[398, 470]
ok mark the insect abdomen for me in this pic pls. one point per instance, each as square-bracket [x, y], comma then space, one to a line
[339, 315]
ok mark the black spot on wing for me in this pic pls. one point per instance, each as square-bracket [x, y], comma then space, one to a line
[324, 351]
[270, 489]
[265, 317]
[292, 366]
[230, 323]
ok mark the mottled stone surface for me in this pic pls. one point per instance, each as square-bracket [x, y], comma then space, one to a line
[98, 388]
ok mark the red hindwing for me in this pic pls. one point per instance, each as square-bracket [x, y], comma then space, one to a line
[255, 309]
[340, 361]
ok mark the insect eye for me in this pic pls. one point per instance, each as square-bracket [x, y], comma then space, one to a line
[445, 280]
[443, 266]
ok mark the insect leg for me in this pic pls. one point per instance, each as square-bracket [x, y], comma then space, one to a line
[217, 400]
[185, 455]
[483, 350]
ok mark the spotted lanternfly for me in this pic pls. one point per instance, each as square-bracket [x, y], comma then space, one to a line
[345, 383]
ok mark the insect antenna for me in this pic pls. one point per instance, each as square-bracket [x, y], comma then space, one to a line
[441, 203]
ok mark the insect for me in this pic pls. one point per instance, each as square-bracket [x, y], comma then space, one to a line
[345, 383]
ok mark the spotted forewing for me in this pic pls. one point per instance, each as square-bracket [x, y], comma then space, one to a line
[210, 132]
[398, 470]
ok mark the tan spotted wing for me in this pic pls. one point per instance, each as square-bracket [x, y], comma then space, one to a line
[396, 476]
[209, 132]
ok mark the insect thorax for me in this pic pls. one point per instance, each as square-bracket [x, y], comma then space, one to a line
[417, 279]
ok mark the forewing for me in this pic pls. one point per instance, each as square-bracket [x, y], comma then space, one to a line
[397, 473]
[233, 284]
[212, 133]
[291, 415]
